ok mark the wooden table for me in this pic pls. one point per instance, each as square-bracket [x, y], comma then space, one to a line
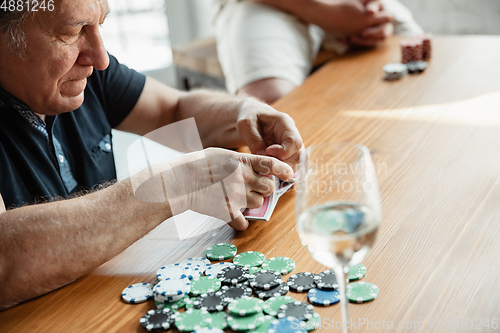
[437, 256]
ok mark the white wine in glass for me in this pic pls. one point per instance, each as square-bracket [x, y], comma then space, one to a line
[338, 208]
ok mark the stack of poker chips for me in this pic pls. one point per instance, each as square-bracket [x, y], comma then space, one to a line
[395, 71]
[416, 48]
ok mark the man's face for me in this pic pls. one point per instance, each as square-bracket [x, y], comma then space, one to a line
[63, 48]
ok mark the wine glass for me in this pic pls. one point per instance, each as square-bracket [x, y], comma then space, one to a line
[337, 208]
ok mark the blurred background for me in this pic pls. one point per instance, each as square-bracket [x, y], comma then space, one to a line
[142, 33]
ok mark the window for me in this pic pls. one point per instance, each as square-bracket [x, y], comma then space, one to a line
[136, 33]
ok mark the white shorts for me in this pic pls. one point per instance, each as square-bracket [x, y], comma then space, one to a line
[256, 41]
[249, 50]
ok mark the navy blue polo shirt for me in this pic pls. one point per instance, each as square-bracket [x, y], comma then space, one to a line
[70, 152]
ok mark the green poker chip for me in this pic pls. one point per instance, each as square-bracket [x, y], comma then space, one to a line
[203, 285]
[273, 304]
[249, 259]
[221, 251]
[314, 322]
[246, 323]
[254, 269]
[189, 302]
[193, 319]
[265, 325]
[357, 272]
[361, 292]
[284, 265]
[245, 306]
[172, 305]
[219, 320]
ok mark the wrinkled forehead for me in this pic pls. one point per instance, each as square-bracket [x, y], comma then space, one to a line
[80, 12]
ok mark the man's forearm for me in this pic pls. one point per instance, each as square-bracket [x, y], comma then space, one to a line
[60, 241]
[215, 114]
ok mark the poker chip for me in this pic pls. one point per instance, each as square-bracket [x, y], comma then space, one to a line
[314, 322]
[204, 284]
[216, 268]
[208, 330]
[246, 323]
[231, 293]
[273, 304]
[412, 49]
[283, 265]
[174, 272]
[301, 282]
[280, 290]
[159, 319]
[426, 46]
[254, 269]
[249, 259]
[172, 305]
[299, 310]
[265, 279]
[264, 326]
[171, 288]
[189, 302]
[326, 280]
[245, 306]
[286, 325]
[167, 299]
[233, 275]
[417, 66]
[395, 71]
[323, 297]
[193, 319]
[212, 302]
[221, 251]
[361, 292]
[138, 293]
[201, 263]
[357, 272]
[219, 320]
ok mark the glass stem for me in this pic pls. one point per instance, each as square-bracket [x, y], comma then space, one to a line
[341, 274]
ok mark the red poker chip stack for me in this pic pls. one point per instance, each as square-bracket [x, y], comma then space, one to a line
[427, 50]
[411, 49]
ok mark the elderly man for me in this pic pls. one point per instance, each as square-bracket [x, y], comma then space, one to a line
[61, 94]
[267, 47]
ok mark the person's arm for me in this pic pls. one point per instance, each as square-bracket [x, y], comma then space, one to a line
[341, 18]
[60, 241]
[223, 120]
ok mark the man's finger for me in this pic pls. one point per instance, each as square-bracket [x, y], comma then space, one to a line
[250, 134]
[380, 18]
[368, 42]
[376, 32]
[239, 223]
[271, 166]
[372, 7]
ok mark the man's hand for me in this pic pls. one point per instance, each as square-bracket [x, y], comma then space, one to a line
[269, 132]
[372, 36]
[215, 182]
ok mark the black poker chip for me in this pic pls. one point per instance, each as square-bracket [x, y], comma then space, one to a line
[417, 66]
[299, 310]
[233, 275]
[264, 280]
[326, 280]
[212, 302]
[158, 320]
[280, 290]
[301, 282]
[231, 293]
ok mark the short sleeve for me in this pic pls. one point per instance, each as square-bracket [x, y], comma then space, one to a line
[119, 89]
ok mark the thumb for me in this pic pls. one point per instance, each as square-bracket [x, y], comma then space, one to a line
[250, 134]
[239, 223]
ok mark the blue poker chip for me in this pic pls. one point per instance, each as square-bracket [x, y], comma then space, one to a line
[175, 272]
[323, 297]
[201, 263]
[287, 325]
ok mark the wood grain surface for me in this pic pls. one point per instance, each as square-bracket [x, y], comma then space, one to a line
[435, 142]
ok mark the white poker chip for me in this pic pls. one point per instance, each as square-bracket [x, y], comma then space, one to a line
[168, 299]
[138, 293]
[202, 263]
[175, 272]
[172, 288]
[216, 268]
[208, 330]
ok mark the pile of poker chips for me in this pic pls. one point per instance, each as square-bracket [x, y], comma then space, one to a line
[416, 48]
[231, 286]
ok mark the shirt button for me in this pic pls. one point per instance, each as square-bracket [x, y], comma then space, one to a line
[61, 158]
[108, 146]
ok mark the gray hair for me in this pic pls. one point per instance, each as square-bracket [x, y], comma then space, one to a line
[11, 27]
